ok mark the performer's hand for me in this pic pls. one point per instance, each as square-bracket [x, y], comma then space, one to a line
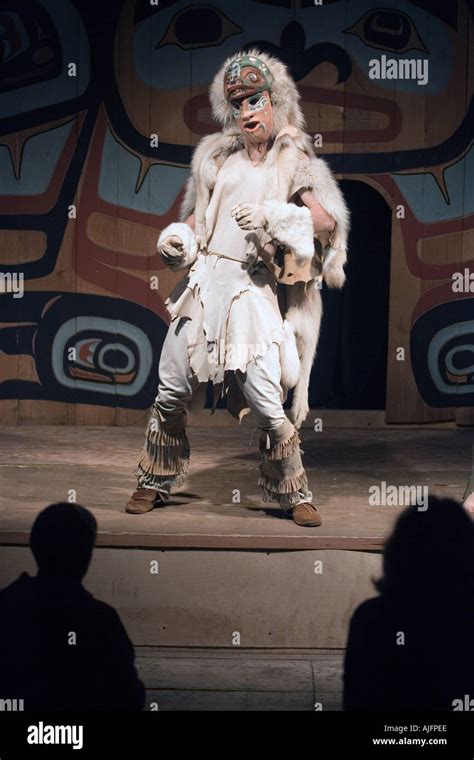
[334, 258]
[249, 216]
[333, 272]
[172, 251]
[299, 412]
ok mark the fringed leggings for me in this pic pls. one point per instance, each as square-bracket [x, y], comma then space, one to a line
[165, 457]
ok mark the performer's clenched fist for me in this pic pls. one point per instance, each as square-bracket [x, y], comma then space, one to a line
[171, 250]
[177, 246]
[249, 216]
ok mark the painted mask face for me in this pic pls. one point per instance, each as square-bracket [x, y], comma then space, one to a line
[254, 116]
[246, 76]
[247, 86]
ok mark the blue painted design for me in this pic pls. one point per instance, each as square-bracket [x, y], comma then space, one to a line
[326, 24]
[119, 173]
[170, 67]
[424, 196]
[40, 157]
[441, 351]
[75, 49]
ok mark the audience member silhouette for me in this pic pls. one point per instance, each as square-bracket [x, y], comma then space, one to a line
[61, 649]
[412, 647]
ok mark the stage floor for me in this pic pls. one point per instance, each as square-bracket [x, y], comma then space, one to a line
[41, 465]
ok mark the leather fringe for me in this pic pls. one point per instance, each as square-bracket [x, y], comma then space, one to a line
[159, 482]
[165, 459]
[283, 449]
[285, 491]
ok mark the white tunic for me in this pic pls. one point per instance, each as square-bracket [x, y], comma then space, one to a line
[234, 311]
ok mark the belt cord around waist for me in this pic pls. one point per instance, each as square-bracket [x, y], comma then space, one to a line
[223, 256]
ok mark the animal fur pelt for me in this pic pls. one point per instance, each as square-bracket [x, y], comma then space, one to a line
[304, 313]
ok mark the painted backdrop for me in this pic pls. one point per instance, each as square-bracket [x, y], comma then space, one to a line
[101, 104]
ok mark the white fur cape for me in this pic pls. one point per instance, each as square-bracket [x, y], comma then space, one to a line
[291, 166]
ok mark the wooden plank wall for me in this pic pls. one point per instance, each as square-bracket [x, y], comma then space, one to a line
[144, 70]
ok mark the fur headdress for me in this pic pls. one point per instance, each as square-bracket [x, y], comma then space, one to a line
[284, 93]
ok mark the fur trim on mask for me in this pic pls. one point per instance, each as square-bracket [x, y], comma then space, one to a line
[284, 94]
[186, 234]
[292, 226]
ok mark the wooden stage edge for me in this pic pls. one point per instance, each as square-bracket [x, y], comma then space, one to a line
[332, 419]
[224, 542]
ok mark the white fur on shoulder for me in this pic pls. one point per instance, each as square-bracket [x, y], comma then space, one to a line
[292, 226]
[185, 233]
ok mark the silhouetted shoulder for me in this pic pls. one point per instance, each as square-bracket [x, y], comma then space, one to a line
[370, 608]
[371, 612]
[20, 587]
[108, 618]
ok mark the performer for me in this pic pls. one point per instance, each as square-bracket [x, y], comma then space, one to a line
[263, 222]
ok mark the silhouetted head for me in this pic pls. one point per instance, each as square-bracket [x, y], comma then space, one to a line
[430, 555]
[62, 540]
